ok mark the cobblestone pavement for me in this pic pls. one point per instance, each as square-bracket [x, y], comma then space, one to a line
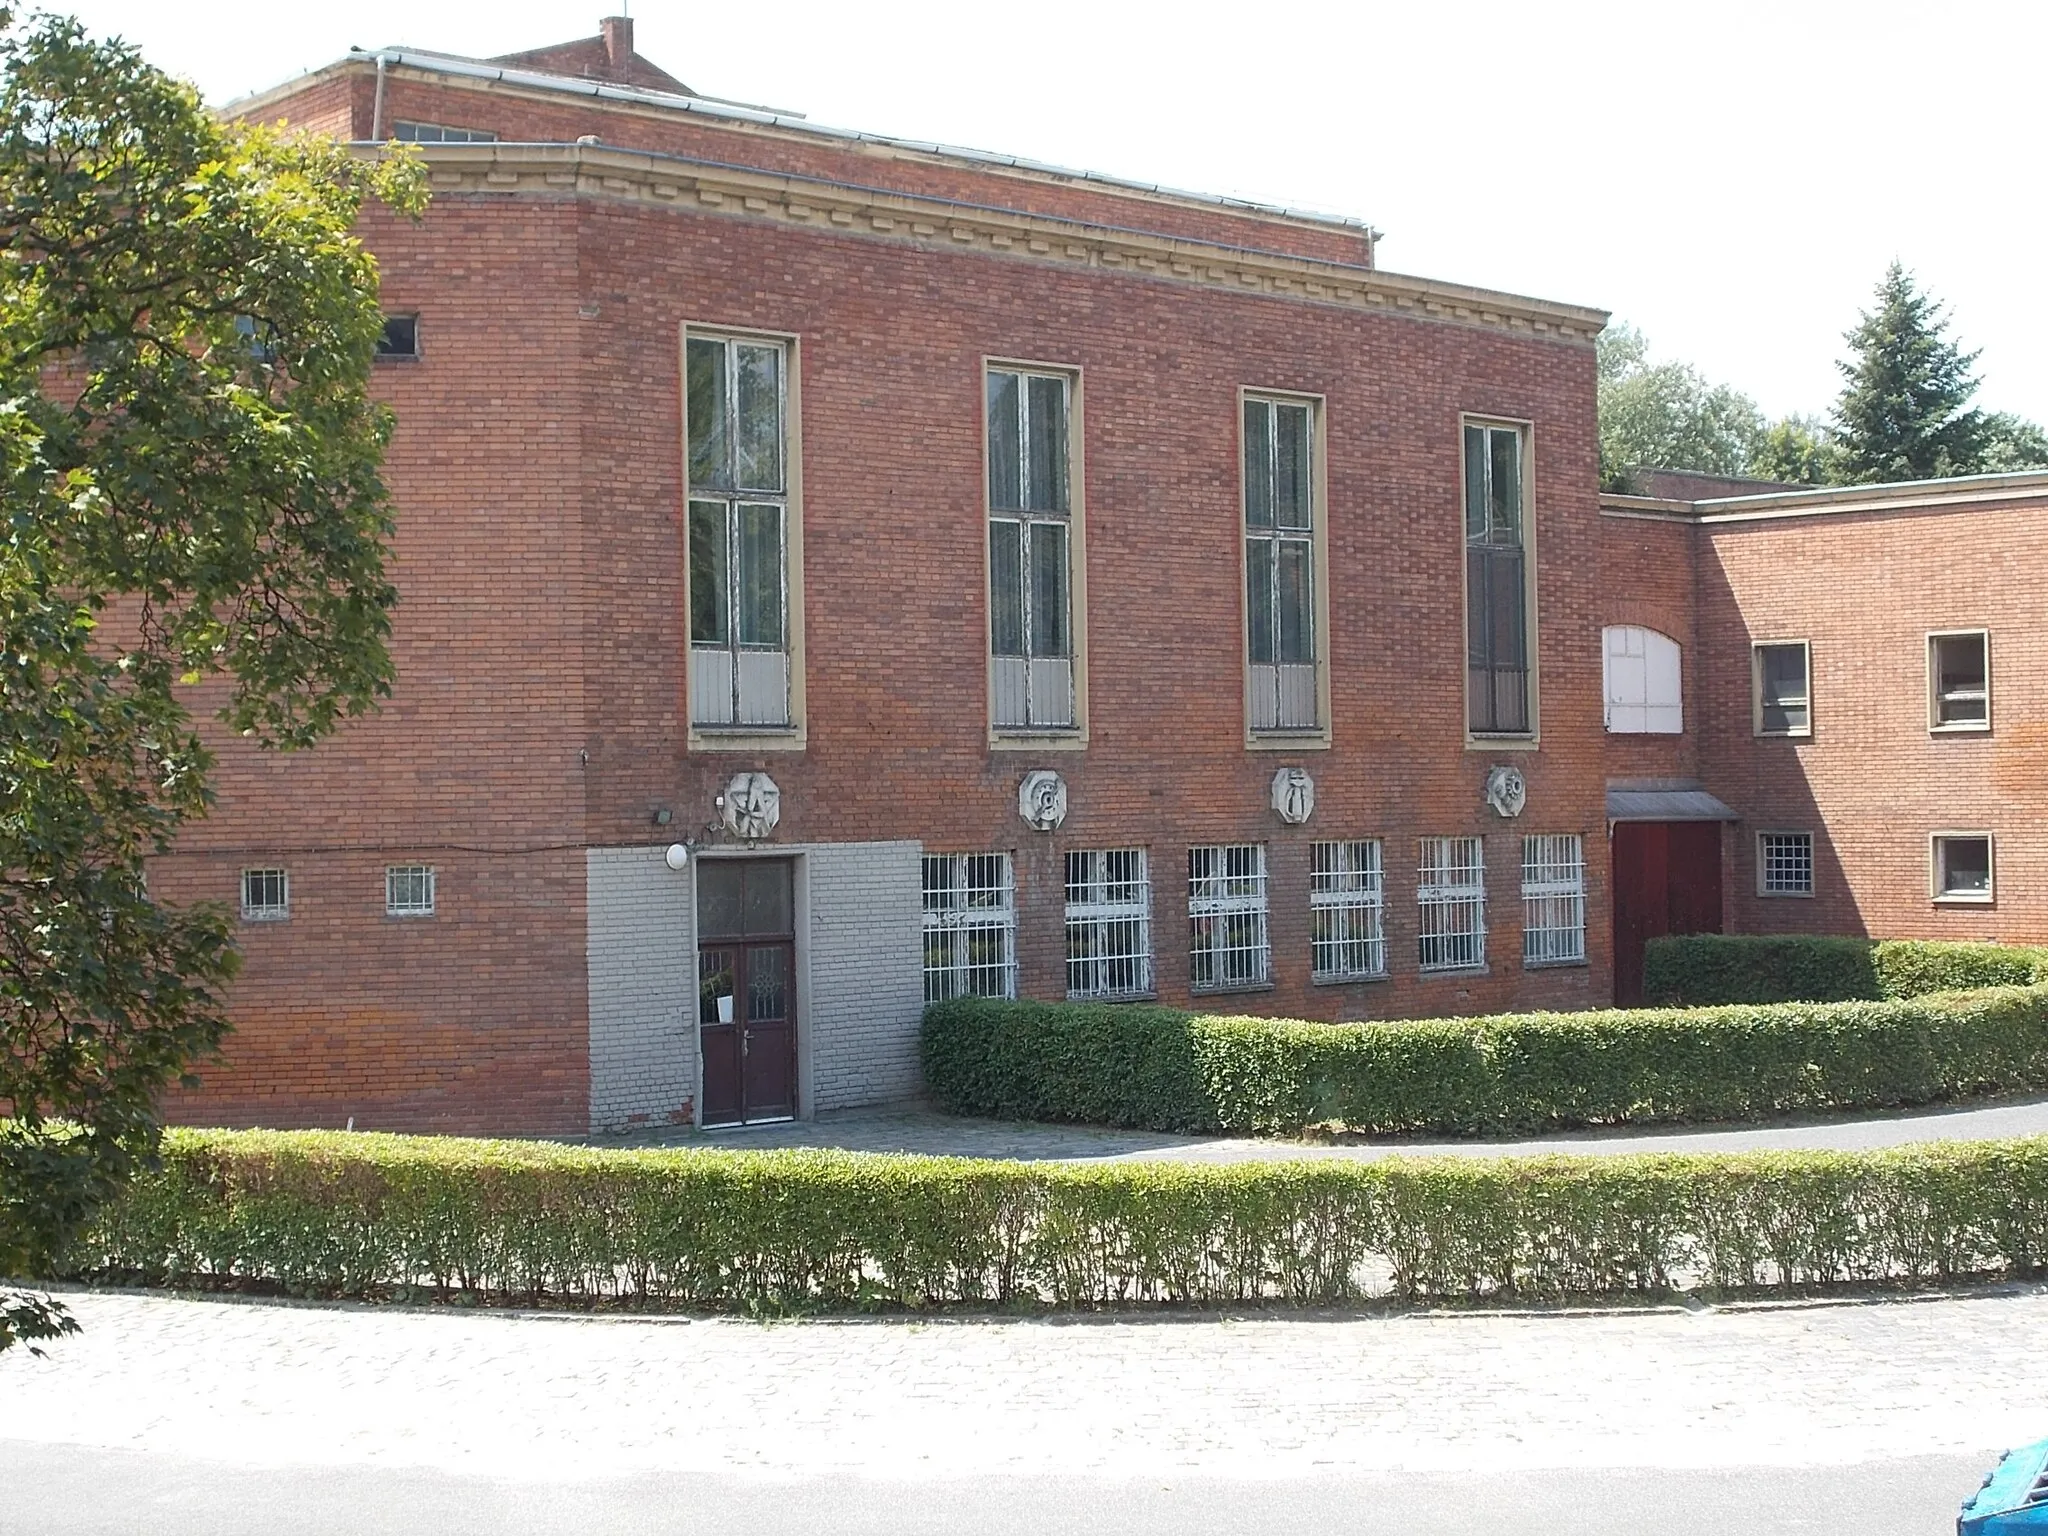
[920, 1130]
[550, 1399]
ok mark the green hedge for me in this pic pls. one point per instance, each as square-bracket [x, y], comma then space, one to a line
[1707, 968]
[339, 1214]
[1164, 1069]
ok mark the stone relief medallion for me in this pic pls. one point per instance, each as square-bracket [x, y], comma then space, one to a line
[1042, 800]
[752, 806]
[1294, 795]
[1506, 791]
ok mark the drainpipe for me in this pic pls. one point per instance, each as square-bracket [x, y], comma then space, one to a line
[377, 111]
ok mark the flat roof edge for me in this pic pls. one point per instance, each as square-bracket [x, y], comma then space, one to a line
[1960, 492]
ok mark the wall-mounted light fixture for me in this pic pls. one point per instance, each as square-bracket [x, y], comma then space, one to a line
[677, 856]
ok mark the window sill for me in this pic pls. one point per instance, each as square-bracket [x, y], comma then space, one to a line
[1784, 895]
[1556, 965]
[1522, 742]
[1304, 739]
[1365, 979]
[747, 738]
[1972, 899]
[1113, 997]
[1429, 973]
[1961, 728]
[1003, 739]
[1236, 991]
[1805, 735]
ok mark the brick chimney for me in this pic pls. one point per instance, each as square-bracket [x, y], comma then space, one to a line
[618, 45]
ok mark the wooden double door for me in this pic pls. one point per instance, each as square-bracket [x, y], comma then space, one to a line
[1667, 879]
[746, 989]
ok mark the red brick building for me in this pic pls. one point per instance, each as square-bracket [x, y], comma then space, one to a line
[839, 572]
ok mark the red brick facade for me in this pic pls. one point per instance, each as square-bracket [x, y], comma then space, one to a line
[542, 640]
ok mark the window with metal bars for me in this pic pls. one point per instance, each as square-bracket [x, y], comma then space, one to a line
[266, 896]
[1029, 534]
[409, 890]
[1553, 900]
[970, 926]
[1784, 863]
[1227, 946]
[1279, 563]
[739, 536]
[1109, 924]
[1496, 583]
[1348, 939]
[1451, 892]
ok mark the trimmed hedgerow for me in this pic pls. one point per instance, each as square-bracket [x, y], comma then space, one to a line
[1707, 968]
[339, 1214]
[1164, 1069]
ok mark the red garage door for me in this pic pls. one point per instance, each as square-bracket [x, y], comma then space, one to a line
[1667, 879]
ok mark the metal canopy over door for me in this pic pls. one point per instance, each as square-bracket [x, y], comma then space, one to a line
[746, 989]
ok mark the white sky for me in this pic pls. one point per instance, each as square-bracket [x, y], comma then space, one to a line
[1729, 175]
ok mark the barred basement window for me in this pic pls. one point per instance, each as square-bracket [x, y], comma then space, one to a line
[1029, 532]
[1109, 924]
[970, 926]
[1279, 562]
[1553, 900]
[1496, 583]
[1345, 892]
[1784, 863]
[438, 133]
[1451, 890]
[266, 896]
[409, 890]
[739, 534]
[1227, 918]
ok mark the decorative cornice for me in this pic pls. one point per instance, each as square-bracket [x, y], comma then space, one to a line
[709, 187]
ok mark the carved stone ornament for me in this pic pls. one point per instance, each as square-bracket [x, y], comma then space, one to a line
[752, 806]
[1506, 791]
[1042, 800]
[1294, 795]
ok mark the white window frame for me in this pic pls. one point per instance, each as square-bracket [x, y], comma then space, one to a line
[395, 878]
[267, 912]
[1451, 909]
[1756, 689]
[1646, 648]
[1267, 691]
[1935, 698]
[1229, 944]
[969, 899]
[1553, 899]
[1347, 911]
[708, 731]
[1937, 864]
[408, 132]
[1110, 907]
[1763, 865]
[1037, 672]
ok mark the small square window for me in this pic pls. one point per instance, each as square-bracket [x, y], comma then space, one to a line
[1959, 681]
[266, 896]
[1781, 685]
[409, 890]
[1962, 866]
[401, 338]
[1784, 863]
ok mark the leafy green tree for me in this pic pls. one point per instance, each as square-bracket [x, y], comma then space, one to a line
[1666, 416]
[1798, 450]
[2011, 442]
[189, 465]
[1904, 411]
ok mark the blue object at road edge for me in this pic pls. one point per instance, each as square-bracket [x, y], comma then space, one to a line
[2014, 1497]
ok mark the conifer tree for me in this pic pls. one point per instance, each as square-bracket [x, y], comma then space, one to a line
[1904, 412]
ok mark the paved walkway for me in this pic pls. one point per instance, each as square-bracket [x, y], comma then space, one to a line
[924, 1131]
[177, 1386]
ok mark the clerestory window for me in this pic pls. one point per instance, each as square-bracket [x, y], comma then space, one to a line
[1280, 563]
[1030, 559]
[1496, 583]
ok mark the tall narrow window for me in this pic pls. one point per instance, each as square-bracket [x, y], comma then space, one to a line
[1451, 891]
[1553, 900]
[739, 516]
[1349, 940]
[970, 926]
[1959, 681]
[1780, 674]
[1496, 583]
[1227, 918]
[1109, 924]
[1279, 563]
[1029, 533]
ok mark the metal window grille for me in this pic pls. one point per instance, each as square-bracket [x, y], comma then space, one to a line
[266, 895]
[1451, 890]
[1109, 924]
[1496, 579]
[1279, 562]
[1227, 918]
[409, 890]
[1031, 647]
[1346, 912]
[1553, 900]
[737, 392]
[1786, 862]
[970, 926]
